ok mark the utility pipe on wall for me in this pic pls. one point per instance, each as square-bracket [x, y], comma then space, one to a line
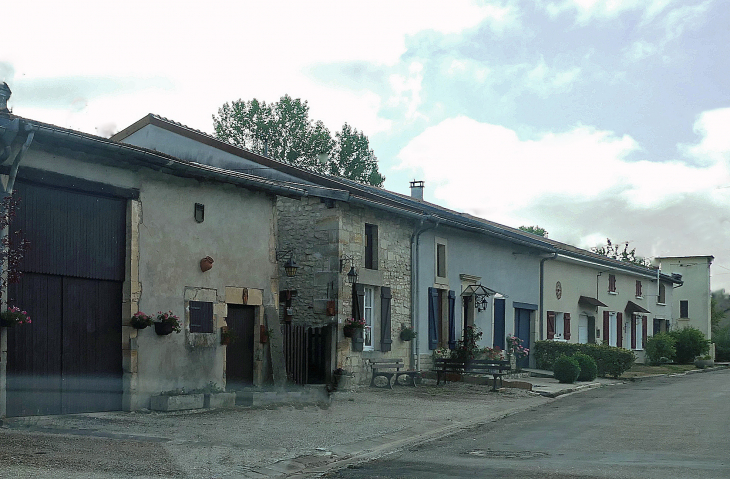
[415, 345]
[542, 280]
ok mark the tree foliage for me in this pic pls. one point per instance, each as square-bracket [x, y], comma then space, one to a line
[283, 131]
[536, 230]
[689, 343]
[614, 251]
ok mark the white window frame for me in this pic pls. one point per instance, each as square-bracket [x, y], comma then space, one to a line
[559, 326]
[612, 325]
[441, 279]
[368, 316]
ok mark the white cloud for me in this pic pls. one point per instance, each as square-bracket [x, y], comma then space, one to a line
[407, 90]
[588, 10]
[502, 173]
[714, 147]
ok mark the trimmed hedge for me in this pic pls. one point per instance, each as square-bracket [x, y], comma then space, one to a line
[566, 369]
[588, 367]
[611, 361]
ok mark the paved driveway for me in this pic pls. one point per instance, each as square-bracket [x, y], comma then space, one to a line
[247, 442]
[667, 427]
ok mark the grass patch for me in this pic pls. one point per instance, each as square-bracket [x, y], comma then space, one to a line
[642, 370]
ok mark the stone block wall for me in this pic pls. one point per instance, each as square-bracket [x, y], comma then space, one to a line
[394, 271]
[310, 229]
[320, 235]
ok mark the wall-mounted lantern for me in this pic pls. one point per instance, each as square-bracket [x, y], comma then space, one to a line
[352, 274]
[290, 267]
[479, 294]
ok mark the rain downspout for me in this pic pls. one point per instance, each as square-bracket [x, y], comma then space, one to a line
[542, 280]
[415, 345]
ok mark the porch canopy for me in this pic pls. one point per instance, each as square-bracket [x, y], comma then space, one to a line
[591, 301]
[479, 290]
[632, 307]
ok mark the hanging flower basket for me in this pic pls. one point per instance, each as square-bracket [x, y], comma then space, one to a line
[351, 326]
[167, 323]
[13, 316]
[140, 320]
[407, 334]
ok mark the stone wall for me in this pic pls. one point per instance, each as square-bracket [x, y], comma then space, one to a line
[320, 234]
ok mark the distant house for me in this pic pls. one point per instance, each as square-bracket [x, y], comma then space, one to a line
[691, 302]
[589, 298]
[117, 229]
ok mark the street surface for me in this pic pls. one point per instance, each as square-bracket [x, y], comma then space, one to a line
[667, 427]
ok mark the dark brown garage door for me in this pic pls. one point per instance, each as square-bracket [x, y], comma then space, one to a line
[69, 359]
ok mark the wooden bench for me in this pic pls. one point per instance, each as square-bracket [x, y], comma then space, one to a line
[494, 367]
[387, 368]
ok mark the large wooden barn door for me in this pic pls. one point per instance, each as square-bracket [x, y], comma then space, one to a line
[69, 359]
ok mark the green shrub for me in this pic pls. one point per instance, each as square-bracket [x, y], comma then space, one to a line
[721, 338]
[611, 361]
[566, 369]
[660, 347]
[588, 367]
[690, 343]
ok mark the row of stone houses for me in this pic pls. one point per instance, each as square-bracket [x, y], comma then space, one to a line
[121, 225]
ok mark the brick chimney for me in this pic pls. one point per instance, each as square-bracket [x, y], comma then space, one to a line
[417, 190]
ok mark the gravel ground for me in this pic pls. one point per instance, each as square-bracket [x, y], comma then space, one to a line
[241, 442]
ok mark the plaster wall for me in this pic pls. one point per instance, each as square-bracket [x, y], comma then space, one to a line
[238, 233]
[510, 269]
[696, 290]
[156, 138]
[164, 248]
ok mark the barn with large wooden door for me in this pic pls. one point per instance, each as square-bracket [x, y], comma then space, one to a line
[69, 359]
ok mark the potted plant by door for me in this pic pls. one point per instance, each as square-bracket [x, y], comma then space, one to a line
[167, 323]
[140, 320]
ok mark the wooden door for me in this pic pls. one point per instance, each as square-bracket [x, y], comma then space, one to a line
[239, 356]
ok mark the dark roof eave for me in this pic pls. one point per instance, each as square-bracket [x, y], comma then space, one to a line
[168, 164]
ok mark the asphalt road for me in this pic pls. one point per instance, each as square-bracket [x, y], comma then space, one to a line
[669, 427]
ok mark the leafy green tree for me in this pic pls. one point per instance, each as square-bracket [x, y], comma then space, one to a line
[614, 251]
[353, 159]
[536, 230]
[283, 131]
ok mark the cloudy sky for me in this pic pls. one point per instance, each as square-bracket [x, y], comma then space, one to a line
[590, 118]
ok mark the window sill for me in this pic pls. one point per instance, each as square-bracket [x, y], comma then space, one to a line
[661, 304]
[639, 297]
[613, 292]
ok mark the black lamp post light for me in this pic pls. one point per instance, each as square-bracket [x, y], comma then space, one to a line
[290, 267]
[352, 274]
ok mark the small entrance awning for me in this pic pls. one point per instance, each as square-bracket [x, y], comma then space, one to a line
[478, 290]
[632, 307]
[590, 301]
